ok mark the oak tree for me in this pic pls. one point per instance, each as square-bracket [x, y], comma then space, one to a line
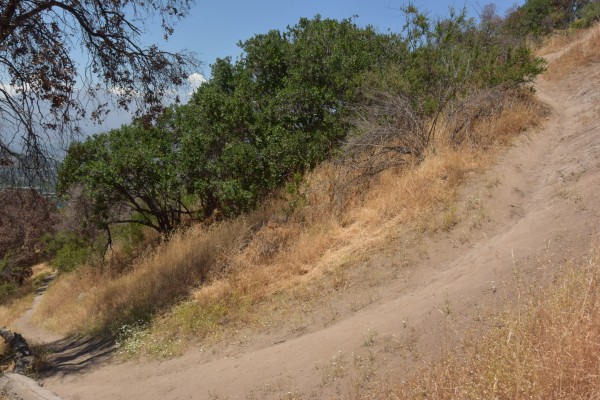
[45, 88]
[130, 175]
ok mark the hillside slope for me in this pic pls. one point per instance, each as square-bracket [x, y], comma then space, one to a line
[541, 205]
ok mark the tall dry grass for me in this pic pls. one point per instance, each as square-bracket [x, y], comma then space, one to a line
[10, 311]
[582, 52]
[95, 299]
[23, 298]
[205, 281]
[546, 347]
[559, 40]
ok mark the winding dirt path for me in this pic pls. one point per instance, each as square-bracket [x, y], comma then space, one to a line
[35, 333]
[542, 200]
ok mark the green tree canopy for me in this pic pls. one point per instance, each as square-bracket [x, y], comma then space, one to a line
[45, 94]
[131, 174]
[282, 108]
[277, 110]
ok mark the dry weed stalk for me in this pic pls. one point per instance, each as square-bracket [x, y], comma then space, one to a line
[544, 348]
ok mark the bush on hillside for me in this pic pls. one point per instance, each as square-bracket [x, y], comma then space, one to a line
[25, 217]
[538, 18]
[66, 251]
[277, 111]
[131, 174]
[590, 14]
[286, 105]
[453, 60]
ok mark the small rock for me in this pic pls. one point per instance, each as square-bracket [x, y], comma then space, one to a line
[81, 297]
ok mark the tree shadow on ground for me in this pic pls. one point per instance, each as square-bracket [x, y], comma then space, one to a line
[77, 355]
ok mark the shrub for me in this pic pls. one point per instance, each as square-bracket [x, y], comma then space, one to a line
[25, 217]
[67, 250]
[589, 15]
[538, 18]
[6, 290]
[452, 60]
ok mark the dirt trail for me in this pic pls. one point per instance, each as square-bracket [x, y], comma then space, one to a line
[35, 333]
[70, 354]
[541, 202]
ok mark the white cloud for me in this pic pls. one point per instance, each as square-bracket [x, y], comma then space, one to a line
[195, 80]
[10, 90]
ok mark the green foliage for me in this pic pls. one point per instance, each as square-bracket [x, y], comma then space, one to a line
[130, 236]
[537, 18]
[129, 170]
[296, 194]
[7, 289]
[277, 111]
[590, 13]
[4, 261]
[449, 58]
[67, 251]
[70, 256]
[283, 107]
[454, 54]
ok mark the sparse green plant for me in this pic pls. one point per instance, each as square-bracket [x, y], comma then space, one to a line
[7, 289]
[131, 339]
[449, 218]
[41, 353]
[369, 338]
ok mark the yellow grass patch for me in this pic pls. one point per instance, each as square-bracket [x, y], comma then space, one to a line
[559, 40]
[581, 53]
[40, 271]
[12, 310]
[544, 348]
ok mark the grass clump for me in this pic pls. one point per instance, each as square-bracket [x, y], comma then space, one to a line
[578, 54]
[545, 347]
[13, 308]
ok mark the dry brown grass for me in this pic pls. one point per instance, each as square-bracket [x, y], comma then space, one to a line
[209, 280]
[559, 40]
[40, 271]
[580, 53]
[546, 347]
[22, 300]
[92, 299]
[10, 311]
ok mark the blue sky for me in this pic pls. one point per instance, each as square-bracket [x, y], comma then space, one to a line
[214, 28]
